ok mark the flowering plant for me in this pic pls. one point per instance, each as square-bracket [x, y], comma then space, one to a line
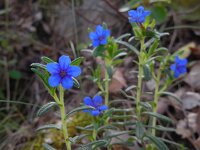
[111, 121]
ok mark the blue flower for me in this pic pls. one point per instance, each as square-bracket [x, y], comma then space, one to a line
[138, 15]
[97, 105]
[179, 67]
[62, 72]
[99, 37]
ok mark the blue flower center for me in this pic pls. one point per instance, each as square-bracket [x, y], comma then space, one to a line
[101, 38]
[63, 73]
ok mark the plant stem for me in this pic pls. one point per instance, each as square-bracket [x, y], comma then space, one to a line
[140, 77]
[64, 123]
[155, 105]
[106, 88]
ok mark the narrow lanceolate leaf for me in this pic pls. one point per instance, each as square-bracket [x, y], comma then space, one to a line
[91, 145]
[123, 36]
[49, 126]
[44, 79]
[161, 128]
[129, 46]
[139, 130]
[159, 116]
[116, 134]
[48, 147]
[77, 61]
[153, 47]
[77, 110]
[158, 143]
[172, 95]
[38, 65]
[76, 138]
[76, 83]
[45, 108]
[147, 72]
[46, 59]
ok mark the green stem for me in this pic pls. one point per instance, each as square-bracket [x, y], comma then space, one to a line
[140, 77]
[106, 88]
[155, 105]
[64, 123]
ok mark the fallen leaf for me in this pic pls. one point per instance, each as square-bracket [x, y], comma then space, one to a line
[182, 129]
[193, 78]
[186, 50]
[118, 81]
[190, 100]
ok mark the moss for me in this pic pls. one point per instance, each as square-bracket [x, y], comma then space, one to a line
[55, 137]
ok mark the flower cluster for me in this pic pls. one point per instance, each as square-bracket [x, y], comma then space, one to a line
[179, 67]
[62, 72]
[99, 37]
[139, 15]
[97, 105]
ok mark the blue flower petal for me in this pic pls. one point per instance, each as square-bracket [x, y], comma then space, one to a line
[97, 100]
[67, 83]
[176, 74]
[107, 33]
[64, 62]
[173, 67]
[147, 13]
[54, 80]
[73, 71]
[93, 36]
[103, 41]
[103, 108]
[95, 112]
[88, 101]
[99, 30]
[140, 8]
[95, 43]
[132, 13]
[53, 68]
[183, 62]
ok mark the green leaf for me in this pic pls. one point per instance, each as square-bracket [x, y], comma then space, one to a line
[48, 147]
[147, 72]
[76, 138]
[98, 51]
[161, 128]
[140, 130]
[44, 78]
[107, 127]
[123, 36]
[38, 65]
[159, 116]
[160, 13]
[81, 108]
[45, 108]
[14, 74]
[46, 59]
[96, 144]
[158, 143]
[77, 61]
[49, 126]
[153, 47]
[121, 54]
[172, 95]
[171, 142]
[129, 46]
[115, 134]
[76, 83]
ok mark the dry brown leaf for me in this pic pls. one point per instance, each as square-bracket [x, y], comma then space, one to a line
[118, 81]
[190, 100]
[186, 49]
[182, 129]
[193, 78]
